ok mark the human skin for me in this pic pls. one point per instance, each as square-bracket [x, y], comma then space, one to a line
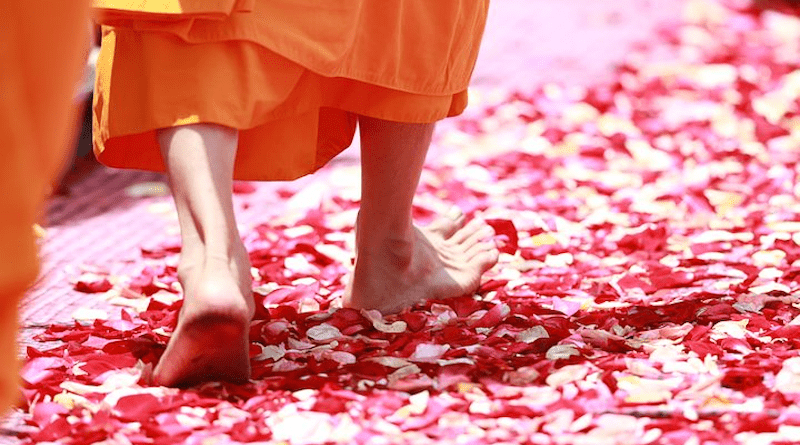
[397, 264]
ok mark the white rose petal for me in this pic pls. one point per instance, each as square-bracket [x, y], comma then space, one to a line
[427, 352]
[323, 332]
[532, 334]
[379, 324]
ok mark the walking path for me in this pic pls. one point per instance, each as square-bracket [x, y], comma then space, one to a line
[110, 214]
[647, 293]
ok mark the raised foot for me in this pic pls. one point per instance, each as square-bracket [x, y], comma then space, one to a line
[211, 340]
[211, 347]
[443, 260]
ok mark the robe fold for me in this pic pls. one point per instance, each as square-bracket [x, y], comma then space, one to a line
[291, 75]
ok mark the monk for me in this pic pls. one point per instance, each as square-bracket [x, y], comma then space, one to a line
[213, 90]
[43, 46]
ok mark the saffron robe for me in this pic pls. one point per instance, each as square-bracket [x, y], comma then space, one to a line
[291, 75]
[43, 47]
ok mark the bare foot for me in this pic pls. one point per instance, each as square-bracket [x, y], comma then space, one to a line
[193, 259]
[443, 260]
[211, 340]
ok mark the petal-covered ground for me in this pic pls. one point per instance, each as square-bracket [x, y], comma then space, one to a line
[646, 294]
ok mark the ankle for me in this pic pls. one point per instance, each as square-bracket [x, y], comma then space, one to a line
[397, 252]
[384, 220]
[219, 255]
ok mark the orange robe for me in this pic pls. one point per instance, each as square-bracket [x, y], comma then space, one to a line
[291, 75]
[42, 54]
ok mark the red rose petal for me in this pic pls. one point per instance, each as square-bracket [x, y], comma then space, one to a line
[506, 230]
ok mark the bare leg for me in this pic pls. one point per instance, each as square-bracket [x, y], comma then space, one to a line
[211, 339]
[397, 264]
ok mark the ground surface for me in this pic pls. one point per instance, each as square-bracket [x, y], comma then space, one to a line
[647, 292]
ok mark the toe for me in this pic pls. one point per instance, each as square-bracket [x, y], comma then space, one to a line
[480, 248]
[485, 259]
[472, 227]
[485, 234]
[447, 226]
